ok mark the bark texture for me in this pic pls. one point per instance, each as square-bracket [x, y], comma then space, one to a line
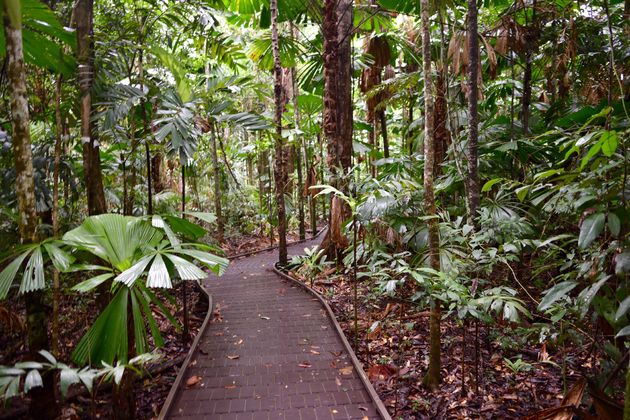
[432, 379]
[83, 13]
[473, 121]
[217, 183]
[337, 33]
[43, 402]
[280, 167]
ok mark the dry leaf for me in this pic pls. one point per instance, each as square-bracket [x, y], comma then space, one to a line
[315, 352]
[338, 381]
[233, 357]
[266, 318]
[305, 365]
[346, 370]
[192, 381]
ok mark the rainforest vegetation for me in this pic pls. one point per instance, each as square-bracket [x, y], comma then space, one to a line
[465, 162]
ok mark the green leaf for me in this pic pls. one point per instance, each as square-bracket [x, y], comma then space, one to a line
[623, 308]
[8, 274]
[158, 274]
[106, 340]
[592, 151]
[33, 277]
[67, 377]
[591, 228]
[129, 276]
[614, 224]
[586, 296]
[186, 269]
[90, 284]
[217, 264]
[60, 259]
[624, 331]
[622, 263]
[556, 293]
[33, 380]
[609, 143]
[488, 185]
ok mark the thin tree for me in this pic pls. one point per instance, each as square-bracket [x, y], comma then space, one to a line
[432, 379]
[83, 13]
[43, 402]
[280, 170]
[473, 119]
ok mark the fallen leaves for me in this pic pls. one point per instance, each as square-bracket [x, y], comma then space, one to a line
[304, 365]
[346, 370]
[233, 357]
[192, 381]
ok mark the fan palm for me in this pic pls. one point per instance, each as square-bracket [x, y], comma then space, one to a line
[136, 257]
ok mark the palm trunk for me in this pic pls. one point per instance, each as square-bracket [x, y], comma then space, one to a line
[337, 33]
[91, 155]
[384, 133]
[55, 214]
[43, 402]
[298, 149]
[473, 121]
[185, 329]
[280, 164]
[433, 378]
[217, 183]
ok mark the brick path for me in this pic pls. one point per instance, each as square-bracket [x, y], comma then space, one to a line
[271, 354]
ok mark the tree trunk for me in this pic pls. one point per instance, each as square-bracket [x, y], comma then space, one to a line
[280, 164]
[384, 133]
[432, 379]
[473, 120]
[43, 402]
[91, 155]
[55, 214]
[298, 149]
[337, 33]
[217, 183]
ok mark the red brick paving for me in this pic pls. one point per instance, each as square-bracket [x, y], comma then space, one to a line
[272, 354]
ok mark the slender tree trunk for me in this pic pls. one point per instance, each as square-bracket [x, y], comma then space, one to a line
[217, 183]
[433, 378]
[384, 133]
[147, 133]
[43, 402]
[55, 214]
[185, 329]
[280, 164]
[473, 120]
[298, 148]
[91, 155]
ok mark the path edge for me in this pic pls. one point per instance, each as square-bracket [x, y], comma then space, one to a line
[380, 407]
[172, 393]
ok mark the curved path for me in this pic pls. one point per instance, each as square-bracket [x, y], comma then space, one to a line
[271, 352]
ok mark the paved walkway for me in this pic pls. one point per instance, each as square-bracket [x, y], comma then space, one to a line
[271, 354]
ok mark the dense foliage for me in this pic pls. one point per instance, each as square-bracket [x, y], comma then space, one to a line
[470, 159]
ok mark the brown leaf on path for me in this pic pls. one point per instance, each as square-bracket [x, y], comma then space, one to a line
[337, 381]
[315, 352]
[304, 365]
[233, 357]
[192, 381]
[346, 370]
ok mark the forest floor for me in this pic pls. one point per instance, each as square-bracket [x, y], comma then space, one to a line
[78, 312]
[518, 376]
